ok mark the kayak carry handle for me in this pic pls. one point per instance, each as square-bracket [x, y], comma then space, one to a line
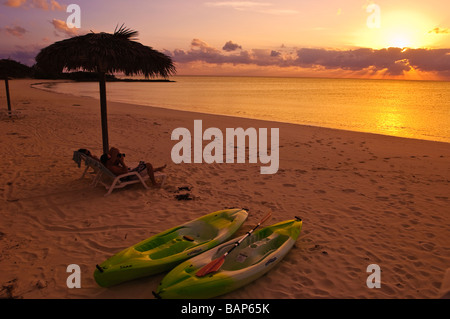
[99, 268]
[298, 218]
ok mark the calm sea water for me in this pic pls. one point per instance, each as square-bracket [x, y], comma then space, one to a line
[415, 109]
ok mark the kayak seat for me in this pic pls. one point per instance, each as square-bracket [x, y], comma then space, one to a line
[200, 231]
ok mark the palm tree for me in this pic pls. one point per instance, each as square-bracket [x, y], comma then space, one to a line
[105, 53]
[11, 68]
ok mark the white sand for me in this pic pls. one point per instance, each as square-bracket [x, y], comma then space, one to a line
[364, 199]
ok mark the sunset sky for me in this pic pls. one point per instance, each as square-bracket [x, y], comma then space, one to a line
[256, 37]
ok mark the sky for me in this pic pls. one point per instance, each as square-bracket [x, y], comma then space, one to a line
[302, 38]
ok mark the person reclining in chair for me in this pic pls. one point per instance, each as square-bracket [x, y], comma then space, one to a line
[114, 161]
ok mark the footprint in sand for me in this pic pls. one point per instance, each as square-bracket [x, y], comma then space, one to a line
[430, 235]
[427, 246]
[27, 257]
[289, 185]
[7, 289]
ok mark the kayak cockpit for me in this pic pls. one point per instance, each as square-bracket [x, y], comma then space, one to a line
[178, 240]
[252, 250]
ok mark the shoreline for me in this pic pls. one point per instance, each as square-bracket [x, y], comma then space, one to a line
[364, 199]
[273, 123]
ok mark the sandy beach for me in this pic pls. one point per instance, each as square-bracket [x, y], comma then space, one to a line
[364, 199]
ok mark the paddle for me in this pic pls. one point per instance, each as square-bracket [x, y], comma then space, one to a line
[215, 265]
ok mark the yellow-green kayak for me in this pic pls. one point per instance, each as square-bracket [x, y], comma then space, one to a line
[255, 256]
[164, 251]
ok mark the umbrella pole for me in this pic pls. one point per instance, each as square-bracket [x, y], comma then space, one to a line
[8, 99]
[103, 112]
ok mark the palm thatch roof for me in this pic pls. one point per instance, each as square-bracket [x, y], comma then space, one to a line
[106, 52]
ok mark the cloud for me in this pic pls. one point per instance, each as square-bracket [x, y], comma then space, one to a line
[260, 7]
[438, 30]
[429, 59]
[57, 6]
[275, 53]
[15, 3]
[353, 59]
[62, 28]
[16, 31]
[238, 5]
[230, 46]
[37, 4]
[40, 4]
[391, 61]
[201, 51]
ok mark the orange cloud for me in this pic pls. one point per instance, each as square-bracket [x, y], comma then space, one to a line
[16, 31]
[58, 7]
[15, 3]
[61, 27]
[37, 4]
[438, 30]
[394, 62]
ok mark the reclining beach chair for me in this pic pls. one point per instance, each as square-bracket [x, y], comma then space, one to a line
[105, 177]
[79, 157]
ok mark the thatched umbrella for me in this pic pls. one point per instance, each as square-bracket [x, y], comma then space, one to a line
[105, 53]
[11, 68]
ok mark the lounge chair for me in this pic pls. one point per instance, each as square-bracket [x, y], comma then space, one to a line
[89, 162]
[105, 177]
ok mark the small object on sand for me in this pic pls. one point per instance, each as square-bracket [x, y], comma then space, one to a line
[188, 238]
[184, 196]
[41, 284]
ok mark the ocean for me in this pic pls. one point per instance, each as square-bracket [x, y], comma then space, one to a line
[413, 109]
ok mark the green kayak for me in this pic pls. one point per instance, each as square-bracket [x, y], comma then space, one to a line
[255, 256]
[164, 251]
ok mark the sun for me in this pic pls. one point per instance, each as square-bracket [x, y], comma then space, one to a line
[402, 39]
[400, 29]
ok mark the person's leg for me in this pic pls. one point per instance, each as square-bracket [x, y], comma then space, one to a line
[159, 169]
[151, 174]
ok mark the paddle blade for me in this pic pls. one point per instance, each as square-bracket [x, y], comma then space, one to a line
[213, 266]
[268, 216]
